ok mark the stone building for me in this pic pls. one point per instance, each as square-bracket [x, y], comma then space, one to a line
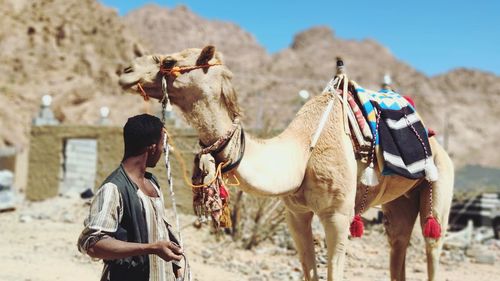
[68, 159]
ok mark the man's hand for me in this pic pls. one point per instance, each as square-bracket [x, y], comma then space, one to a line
[167, 250]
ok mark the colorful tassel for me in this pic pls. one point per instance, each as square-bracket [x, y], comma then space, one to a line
[431, 171]
[369, 177]
[223, 192]
[357, 226]
[432, 228]
[225, 218]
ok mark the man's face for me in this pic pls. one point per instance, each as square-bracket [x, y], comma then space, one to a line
[155, 151]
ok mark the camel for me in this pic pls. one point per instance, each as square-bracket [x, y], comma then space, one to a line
[323, 181]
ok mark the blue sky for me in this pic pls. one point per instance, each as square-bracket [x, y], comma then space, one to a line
[432, 36]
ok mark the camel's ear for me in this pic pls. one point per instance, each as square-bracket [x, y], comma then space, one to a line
[139, 50]
[206, 55]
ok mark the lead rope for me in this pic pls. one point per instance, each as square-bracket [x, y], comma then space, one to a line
[166, 106]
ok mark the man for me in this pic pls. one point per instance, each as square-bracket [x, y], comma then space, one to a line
[126, 226]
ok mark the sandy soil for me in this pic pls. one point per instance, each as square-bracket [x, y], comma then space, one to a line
[38, 243]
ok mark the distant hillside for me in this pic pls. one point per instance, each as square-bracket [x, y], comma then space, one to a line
[170, 30]
[462, 103]
[473, 111]
[70, 49]
[74, 49]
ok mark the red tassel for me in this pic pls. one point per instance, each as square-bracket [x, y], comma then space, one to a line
[432, 228]
[410, 100]
[357, 226]
[223, 192]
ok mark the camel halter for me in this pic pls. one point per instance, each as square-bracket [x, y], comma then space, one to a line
[221, 143]
[211, 197]
[175, 72]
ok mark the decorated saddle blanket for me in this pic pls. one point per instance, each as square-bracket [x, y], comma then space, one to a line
[400, 138]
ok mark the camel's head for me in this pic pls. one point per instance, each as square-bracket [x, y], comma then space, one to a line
[193, 76]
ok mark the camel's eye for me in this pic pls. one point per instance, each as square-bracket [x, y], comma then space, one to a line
[168, 63]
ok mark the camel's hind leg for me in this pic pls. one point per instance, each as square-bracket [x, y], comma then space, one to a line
[336, 227]
[442, 192]
[301, 230]
[399, 219]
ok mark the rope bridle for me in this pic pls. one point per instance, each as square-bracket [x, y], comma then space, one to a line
[176, 71]
[221, 143]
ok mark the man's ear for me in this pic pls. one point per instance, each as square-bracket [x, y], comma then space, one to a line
[152, 147]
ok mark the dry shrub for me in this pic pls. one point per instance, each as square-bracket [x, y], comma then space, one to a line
[255, 219]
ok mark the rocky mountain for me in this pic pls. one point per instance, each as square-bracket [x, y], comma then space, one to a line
[169, 30]
[471, 115]
[69, 49]
[74, 49]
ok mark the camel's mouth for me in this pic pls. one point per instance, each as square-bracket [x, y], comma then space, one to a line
[127, 80]
[128, 86]
[131, 84]
[135, 85]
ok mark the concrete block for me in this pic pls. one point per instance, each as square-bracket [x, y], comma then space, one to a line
[7, 200]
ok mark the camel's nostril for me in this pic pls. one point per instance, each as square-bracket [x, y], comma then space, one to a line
[128, 69]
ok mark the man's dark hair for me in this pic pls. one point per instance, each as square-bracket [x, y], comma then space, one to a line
[139, 132]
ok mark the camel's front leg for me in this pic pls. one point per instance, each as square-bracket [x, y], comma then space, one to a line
[336, 230]
[301, 230]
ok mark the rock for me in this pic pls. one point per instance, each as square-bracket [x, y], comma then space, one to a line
[263, 265]
[25, 218]
[295, 276]
[475, 250]
[418, 269]
[7, 200]
[206, 254]
[245, 269]
[277, 275]
[68, 218]
[485, 258]
[358, 273]
[321, 260]
[261, 251]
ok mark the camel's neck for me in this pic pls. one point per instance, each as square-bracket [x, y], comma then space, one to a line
[273, 166]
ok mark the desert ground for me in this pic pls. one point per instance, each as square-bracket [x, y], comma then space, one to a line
[38, 243]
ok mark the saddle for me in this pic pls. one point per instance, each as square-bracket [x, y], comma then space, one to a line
[387, 131]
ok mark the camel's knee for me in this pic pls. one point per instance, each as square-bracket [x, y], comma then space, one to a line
[398, 243]
[336, 230]
[336, 219]
[433, 246]
[397, 230]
